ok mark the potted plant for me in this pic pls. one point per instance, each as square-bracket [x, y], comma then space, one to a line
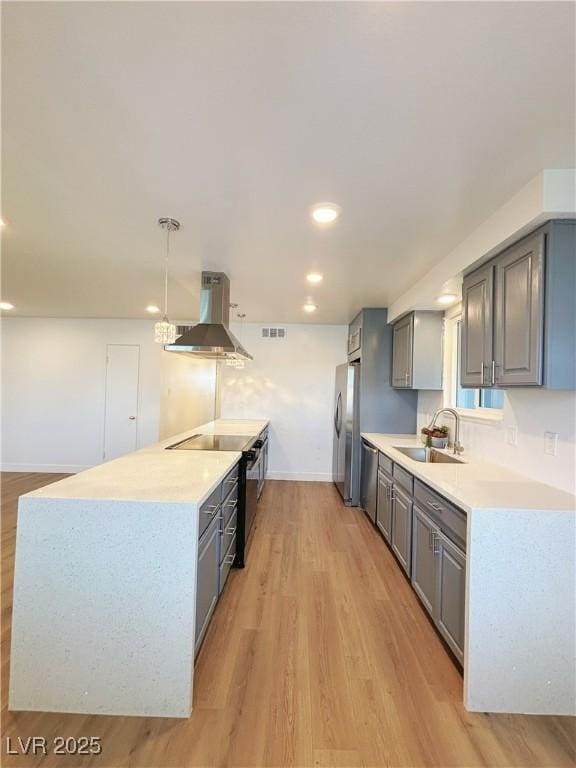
[438, 436]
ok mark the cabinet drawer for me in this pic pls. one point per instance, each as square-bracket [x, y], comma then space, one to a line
[404, 478]
[227, 562]
[230, 502]
[208, 509]
[450, 519]
[228, 534]
[385, 463]
[230, 481]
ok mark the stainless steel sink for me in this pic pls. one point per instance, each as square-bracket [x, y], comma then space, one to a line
[431, 456]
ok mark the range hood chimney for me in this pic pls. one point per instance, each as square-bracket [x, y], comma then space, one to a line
[212, 338]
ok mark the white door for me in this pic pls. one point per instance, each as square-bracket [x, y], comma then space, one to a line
[121, 414]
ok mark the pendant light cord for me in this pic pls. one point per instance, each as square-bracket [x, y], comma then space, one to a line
[168, 228]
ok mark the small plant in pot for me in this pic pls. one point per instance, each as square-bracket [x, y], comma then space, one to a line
[437, 437]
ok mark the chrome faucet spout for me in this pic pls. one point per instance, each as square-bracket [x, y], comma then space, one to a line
[457, 446]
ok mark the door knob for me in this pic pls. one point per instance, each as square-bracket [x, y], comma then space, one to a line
[132, 418]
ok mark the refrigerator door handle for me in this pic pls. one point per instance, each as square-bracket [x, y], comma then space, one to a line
[338, 415]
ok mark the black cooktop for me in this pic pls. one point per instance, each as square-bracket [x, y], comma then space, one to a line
[214, 443]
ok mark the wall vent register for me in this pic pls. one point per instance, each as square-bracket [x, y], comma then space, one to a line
[273, 333]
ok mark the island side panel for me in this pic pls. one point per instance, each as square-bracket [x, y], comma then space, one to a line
[104, 607]
[521, 634]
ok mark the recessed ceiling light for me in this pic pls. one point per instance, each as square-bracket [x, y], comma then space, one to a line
[309, 307]
[447, 298]
[6, 305]
[152, 308]
[326, 213]
[314, 277]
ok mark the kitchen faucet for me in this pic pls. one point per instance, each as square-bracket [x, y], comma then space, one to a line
[458, 448]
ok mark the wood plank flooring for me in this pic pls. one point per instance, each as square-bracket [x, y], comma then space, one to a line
[319, 654]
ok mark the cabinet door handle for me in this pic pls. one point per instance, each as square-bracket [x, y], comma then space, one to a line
[406, 377]
[434, 542]
[493, 373]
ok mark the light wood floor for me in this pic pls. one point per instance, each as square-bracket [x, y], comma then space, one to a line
[318, 655]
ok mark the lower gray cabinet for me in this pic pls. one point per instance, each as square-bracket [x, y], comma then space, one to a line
[439, 579]
[401, 527]
[423, 559]
[207, 578]
[384, 505]
[451, 594]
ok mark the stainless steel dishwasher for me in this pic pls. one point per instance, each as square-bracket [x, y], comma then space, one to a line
[369, 480]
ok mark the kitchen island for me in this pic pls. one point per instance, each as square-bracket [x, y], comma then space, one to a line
[519, 604]
[105, 581]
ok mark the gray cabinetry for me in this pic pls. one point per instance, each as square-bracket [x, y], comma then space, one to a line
[519, 313]
[417, 351]
[439, 578]
[451, 593]
[384, 505]
[207, 578]
[427, 534]
[217, 518]
[355, 337]
[477, 321]
[423, 559]
[402, 527]
[402, 352]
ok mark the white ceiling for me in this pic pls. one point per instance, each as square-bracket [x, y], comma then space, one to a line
[419, 119]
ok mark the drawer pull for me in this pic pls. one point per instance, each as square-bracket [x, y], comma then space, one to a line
[229, 559]
[231, 503]
[435, 507]
[210, 510]
[231, 482]
[230, 530]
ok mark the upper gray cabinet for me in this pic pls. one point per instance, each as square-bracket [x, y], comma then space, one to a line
[355, 338]
[518, 316]
[417, 351]
[477, 320]
[402, 334]
[519, 313]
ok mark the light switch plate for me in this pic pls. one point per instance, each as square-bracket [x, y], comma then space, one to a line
[551, 443]
[512, 435]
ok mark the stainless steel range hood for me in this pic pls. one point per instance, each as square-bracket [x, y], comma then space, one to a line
[211, 338]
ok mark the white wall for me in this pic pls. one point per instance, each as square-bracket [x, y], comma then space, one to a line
[187, 392]
[532, 412]
[290, 382]
[53, 385]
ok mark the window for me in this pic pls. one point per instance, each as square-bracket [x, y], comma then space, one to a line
[479, 400]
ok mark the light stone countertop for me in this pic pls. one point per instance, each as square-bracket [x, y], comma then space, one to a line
[475, 484]
[156, 475]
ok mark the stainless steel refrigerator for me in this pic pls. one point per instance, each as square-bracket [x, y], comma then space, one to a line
[345, 463]
[365, 401]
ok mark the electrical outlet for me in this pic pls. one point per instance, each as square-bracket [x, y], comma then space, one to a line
[512, 435]
[551, 443]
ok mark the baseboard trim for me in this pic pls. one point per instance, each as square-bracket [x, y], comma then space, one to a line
[305, 476]
[48, 468]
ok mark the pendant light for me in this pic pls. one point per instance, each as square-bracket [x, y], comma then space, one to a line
[165, 331]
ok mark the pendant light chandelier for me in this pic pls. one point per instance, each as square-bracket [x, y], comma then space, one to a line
[165, 331]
